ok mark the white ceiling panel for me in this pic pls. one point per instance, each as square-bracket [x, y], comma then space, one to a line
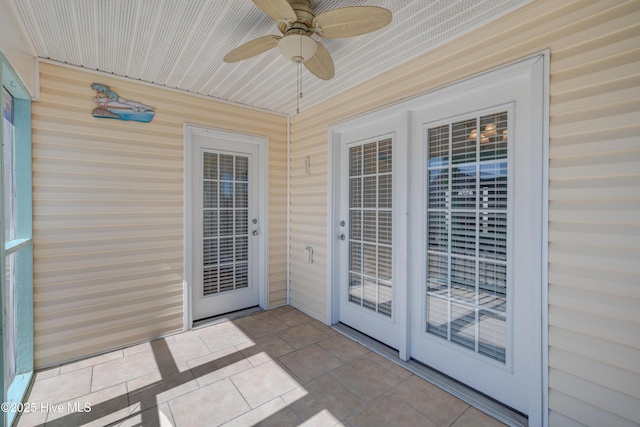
[181, 43]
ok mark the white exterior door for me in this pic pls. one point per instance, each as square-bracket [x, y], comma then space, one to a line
[476, 236]
[226, 224]
[368, 294]
[440, 238]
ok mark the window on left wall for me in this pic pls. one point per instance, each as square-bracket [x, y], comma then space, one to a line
[16, 253]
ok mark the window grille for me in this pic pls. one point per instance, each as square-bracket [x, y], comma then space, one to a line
[370, 226]
[225, 217]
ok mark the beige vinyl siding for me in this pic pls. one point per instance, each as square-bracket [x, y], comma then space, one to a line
[594, 188]
[108, 212]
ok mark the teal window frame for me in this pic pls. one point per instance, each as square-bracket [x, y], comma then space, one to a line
[21, 246]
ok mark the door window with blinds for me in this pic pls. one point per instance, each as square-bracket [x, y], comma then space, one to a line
[370, 226]
[225, 216]
[467, 224]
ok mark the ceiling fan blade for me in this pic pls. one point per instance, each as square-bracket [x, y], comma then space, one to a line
[252, 48]
[321, 64]
[351, 21]
[277, 9]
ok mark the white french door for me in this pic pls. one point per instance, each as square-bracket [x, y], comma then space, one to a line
[456, 286]
[368, 293]
[471, 316]
[475, 241]
[225, 224]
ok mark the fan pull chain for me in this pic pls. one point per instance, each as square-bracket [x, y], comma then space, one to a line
[299, 88]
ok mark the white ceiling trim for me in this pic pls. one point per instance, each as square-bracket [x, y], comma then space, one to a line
[149, 84]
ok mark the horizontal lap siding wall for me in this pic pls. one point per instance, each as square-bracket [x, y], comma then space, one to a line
[108, 212]
[594, 188]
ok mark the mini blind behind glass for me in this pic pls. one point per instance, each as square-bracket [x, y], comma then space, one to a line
[370, 226]
[225, 220]
[466, 266]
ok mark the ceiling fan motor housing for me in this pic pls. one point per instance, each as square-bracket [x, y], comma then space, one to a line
[297, 45]
[298, 23]
[304, 18]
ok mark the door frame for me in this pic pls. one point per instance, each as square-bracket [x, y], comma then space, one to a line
[262, 142]
[538, 66]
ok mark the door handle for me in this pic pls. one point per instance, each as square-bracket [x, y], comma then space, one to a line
[342, 237]
[255, 232]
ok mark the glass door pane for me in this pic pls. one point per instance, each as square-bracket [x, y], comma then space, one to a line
[370, 226]
[9, 166]
[225, 217]
[9, 234]
[466, 288]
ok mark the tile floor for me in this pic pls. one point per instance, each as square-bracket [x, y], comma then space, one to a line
[274, 368]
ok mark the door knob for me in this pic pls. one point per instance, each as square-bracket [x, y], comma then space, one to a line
[342, 237]
[255, 232]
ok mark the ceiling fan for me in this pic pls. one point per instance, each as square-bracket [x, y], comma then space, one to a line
[298, 22]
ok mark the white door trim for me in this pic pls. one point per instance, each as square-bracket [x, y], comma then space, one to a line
[538, 65]
[189, 130]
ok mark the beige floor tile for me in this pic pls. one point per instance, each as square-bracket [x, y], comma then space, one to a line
[280, 310]
[466, 421]
[157, 416]
[92, 361]
[181, 351]
[302, 336]
[61, 387]
[293, 317]
[389, 365]
[212, 405]
[259, 414]
[366, 379]
[473, 417]
[263, 383]
[387, 411]
[138, 348]
[265, 349]
[106, 406]
[221, 327]
[309, 363]
[274, 368]
[430, 400]
[123, 370]
[142, 347]
[217, 338]
[241, 321]
[154, 389]
[34, 418]
[189, 335]
[47, 373]
[324, 418]
[295, 395]
[325, 393]
[283, 418]
[343, 348]
[263, 324]
[324, 328]
[219, 365]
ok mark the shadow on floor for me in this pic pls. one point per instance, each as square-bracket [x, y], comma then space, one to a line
[275, 368]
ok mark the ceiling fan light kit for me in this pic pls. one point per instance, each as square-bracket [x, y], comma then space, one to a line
[298, 23]
[297, 47]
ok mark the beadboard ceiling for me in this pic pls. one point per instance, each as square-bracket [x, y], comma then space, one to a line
[181, 43]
